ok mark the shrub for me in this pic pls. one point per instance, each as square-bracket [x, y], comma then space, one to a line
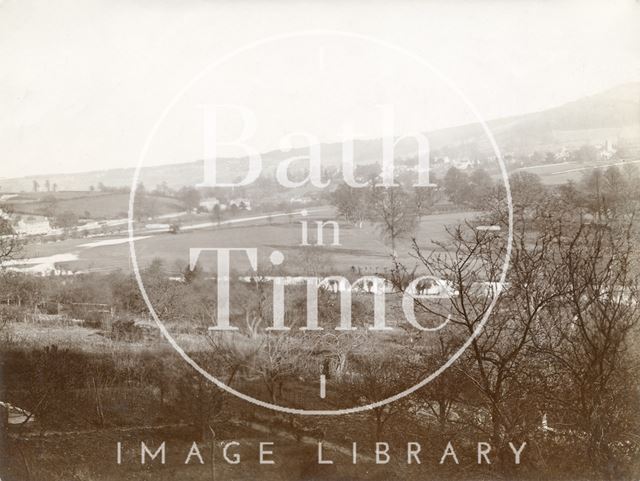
[126, 330]
[11, 313]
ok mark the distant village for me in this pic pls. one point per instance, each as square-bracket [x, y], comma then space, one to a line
[42, 212]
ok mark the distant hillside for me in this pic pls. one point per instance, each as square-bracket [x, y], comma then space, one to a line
[609, 115]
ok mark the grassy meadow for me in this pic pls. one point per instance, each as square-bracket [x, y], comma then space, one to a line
[358, 246]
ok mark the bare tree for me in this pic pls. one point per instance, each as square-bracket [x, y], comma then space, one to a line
[440, 396]
[200, 400]
[10, 242]
[377, 375]
[394, 212]
[426, 197]
[497, 360]
[190, 198]
[217, 214]
[587, 341]
[351, 203]
[280, 357]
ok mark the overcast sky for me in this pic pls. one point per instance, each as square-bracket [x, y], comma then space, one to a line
[82, 82]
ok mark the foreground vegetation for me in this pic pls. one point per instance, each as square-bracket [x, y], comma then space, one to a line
[555, 365]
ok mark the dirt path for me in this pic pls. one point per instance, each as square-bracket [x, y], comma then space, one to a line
[255, 426]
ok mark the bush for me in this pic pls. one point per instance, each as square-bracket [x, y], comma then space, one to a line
[126, 330]
[89, 315]
[11, 313]
[92, 323]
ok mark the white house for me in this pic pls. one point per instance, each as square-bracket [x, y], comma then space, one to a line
[462, 164]
[299, 200]
[28, 224]
[240, 203]
[210, 203]
[32, 225]
[607, 150]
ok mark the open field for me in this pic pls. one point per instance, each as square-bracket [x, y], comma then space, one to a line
[554, 174]
[28, 197]
[95, 205]
[358, 246]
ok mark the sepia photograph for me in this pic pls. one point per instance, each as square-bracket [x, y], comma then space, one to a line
[319, 240]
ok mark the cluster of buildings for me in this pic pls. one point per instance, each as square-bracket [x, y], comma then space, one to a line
[24, 224]
[27, 225]
[239, 203]
[602, 152]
